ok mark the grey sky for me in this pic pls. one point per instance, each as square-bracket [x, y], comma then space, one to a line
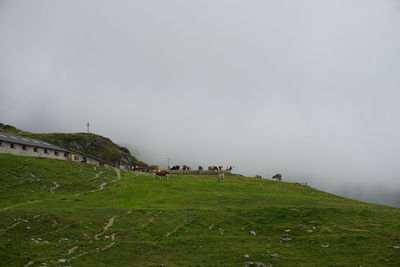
[309, 89]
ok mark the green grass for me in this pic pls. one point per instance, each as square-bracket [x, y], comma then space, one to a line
[188, 220]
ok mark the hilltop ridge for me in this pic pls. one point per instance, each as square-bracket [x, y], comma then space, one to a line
[88, 143]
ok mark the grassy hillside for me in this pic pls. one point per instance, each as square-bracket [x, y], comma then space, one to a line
[92, 144]
[57, 213]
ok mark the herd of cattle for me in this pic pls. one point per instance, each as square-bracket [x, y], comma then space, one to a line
[200, 168]
[277, 177]
[220, 178]
[184, 167]
[155, 168]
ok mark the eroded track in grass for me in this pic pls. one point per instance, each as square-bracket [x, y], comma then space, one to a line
[102, 186]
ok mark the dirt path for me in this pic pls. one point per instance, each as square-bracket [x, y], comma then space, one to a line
[104, 184]
[12, 226]
[96, 176]
[56, 185]
[72, 250]
[109, 224]
[20, 204]
[89, 252]
[29, 263]
[18, 223]
[105, 228]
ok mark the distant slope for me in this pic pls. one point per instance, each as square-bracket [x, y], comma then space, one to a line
[92, 144]
[9, 129]
[60, 213]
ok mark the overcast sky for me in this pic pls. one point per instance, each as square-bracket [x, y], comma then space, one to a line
[309, 89]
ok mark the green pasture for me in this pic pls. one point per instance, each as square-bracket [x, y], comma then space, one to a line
[54, 213]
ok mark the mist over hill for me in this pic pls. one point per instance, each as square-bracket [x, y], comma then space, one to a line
[309, 89]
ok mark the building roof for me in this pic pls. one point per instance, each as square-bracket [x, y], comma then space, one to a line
[93, 157]
[29, 141]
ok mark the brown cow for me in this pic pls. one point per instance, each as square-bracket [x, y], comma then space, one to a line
[277, 177]
[162, 174]
[186, 168]
[258, 176]
[138, 169]
[154, 168]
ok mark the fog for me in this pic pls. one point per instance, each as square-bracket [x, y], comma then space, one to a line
[309, 89]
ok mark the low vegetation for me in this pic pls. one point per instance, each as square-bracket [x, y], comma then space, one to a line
[61, 213]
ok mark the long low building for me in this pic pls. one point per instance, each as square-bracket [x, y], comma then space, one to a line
[24, 146]
[90, 159]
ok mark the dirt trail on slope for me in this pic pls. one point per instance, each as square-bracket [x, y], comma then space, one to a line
[96, 237]
[105, 228]
[104, 184]
[20, 204]
[72, 250]
[109, 224]
[56, 185]
[96, 176]
[19, 222]
[101, 187]
[29, 263]
[90, 252]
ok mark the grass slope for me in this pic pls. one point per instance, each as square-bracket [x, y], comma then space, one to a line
[187, 220]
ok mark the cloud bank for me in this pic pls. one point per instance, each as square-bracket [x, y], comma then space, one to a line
[309, 89]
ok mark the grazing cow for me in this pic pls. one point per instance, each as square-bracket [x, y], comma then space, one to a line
[221, 177]
[175, 168]
[277, 177]
[162, 174]
[138, 168]
[186, 168]
[229, 168]
[213, 168]
[258, 176]
[220, 168]
[154, 168]
[200, 168]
